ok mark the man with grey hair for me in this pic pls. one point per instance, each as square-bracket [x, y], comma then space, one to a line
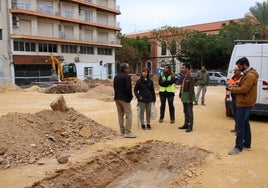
[123, 96]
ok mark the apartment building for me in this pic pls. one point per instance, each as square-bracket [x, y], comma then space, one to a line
[83, 32]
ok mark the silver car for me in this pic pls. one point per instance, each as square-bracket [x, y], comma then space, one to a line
[218, 77]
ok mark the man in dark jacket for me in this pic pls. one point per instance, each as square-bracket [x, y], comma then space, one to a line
[123, 96]
[187, 97]
[145, 93]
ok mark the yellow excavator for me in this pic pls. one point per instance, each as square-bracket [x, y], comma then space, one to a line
[62, 72]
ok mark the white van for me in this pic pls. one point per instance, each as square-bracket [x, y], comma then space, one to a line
[257, 54]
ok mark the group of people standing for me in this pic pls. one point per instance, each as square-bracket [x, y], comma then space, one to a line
[243, 89]
[145, 94]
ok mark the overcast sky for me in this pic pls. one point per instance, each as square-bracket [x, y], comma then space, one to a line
[143, 15]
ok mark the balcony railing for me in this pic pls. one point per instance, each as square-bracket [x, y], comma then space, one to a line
[110, 40]
[66, 14]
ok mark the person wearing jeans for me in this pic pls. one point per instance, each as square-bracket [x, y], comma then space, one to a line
[246, 95]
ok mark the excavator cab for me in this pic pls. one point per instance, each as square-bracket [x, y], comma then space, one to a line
[69, 71]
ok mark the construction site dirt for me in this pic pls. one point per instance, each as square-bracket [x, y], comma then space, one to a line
[82, 147]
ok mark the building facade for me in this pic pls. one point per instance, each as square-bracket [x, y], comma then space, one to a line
[161, 56]
[83, 32]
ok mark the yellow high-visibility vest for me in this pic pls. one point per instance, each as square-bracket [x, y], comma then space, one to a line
[170, 88]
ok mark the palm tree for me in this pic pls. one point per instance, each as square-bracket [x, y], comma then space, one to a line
[260, 12]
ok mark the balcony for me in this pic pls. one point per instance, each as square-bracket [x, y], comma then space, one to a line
[51, 12]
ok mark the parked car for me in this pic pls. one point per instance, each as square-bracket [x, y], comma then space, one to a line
[179, 78]
[217, 78]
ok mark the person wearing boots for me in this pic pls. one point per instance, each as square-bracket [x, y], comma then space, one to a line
[187, 97]
[145, 93]
[167, 93]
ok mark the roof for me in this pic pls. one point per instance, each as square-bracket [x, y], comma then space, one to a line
[209, 28]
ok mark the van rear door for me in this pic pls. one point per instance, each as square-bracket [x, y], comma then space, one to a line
[263, 77]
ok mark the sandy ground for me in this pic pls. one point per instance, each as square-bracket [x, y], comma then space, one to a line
[211, 133]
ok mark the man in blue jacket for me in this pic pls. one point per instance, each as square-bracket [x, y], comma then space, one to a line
[123, 96]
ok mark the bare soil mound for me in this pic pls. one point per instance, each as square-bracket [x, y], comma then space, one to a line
[33, 88]
[96, 82]
[27, 138]
[9, 87]
[102, 92]
[149, 164]
[67, 87]
[76, 86]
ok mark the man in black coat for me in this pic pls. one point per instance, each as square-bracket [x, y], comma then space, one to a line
[123, 96]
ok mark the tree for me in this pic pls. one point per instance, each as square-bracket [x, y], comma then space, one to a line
[243, 30]
[214, 50]
[260, 13]
[169, 37]
[194, 47]
[133, 50]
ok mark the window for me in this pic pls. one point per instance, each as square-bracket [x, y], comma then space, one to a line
[68, 11]
[46, 9]
[29, 47]
[86, 50]
[104, 51]
[1, 34]
[163, 49]
[88, 34]
[88, 15]
[25, 6]
[103, 36]
[68, 49]
[217, 75]
[24, 46]
[46, 47]
[88, 72]
[102, 19]
[69, 32]
[139, 67]
[149, 65]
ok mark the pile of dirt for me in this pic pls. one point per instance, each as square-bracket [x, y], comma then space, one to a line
[27, 138]
[33, 88]
[92, 83]
[102, 92]
[149, 164]
[68, 87]
[9, 87]
[76, 86]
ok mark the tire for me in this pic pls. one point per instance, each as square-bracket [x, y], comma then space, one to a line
[223, 82]
[178, 82]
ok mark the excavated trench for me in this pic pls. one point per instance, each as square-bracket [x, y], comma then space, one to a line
[149, 164]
